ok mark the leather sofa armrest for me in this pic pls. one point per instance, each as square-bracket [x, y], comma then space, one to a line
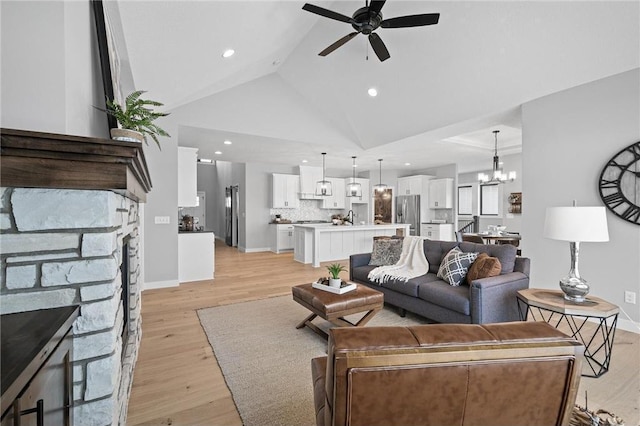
[318, 375]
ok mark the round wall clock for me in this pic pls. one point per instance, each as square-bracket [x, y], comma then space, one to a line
[619, 184]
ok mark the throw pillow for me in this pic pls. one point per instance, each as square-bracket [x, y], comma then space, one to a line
[455, 265]
[484, 266]
[386, 251]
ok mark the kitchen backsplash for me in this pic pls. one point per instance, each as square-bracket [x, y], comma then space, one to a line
[308, 210]
[442, 214]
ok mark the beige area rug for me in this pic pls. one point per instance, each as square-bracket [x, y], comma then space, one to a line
[266, 361]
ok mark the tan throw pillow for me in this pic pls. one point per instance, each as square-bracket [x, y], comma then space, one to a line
[484, 267]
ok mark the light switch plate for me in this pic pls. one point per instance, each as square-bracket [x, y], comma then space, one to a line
[162, 220]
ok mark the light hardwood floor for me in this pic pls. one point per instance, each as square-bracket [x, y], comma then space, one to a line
[177, 380]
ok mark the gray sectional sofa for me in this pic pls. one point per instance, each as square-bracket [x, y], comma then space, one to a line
[482, 301]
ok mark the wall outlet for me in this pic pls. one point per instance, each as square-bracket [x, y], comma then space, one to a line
[162, 220]
[630, 297]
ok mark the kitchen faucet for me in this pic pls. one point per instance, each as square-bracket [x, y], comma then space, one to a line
[350, 217]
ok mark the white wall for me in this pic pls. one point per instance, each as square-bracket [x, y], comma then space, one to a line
[50, 69]
[567, 139]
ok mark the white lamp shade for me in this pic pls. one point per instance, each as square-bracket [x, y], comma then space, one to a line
[576, 224]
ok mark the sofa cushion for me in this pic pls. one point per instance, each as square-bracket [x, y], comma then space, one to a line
[410, 287]
[361, 273]
[438, 292]
[434, 251]
[506, 253]
[386, 251]
[455, 265]
[483, 267]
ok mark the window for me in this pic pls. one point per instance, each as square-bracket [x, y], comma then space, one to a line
[489, 200]
[465, 200]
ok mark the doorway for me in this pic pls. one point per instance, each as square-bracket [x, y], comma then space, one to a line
[232, 206]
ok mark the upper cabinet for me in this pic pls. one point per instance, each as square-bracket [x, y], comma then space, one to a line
[337, 198]
[285, 191]
[413, 185]
[309, 176]
[187, 177]
[441, 193]
[364, 198]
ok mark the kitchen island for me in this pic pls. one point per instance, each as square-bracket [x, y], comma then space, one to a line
[315, 243]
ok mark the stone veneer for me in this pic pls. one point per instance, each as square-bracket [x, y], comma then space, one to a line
[61, 247]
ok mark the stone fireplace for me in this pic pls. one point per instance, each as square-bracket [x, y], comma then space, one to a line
[70, 246]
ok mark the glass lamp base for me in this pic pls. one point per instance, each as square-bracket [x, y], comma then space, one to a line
[575, 289]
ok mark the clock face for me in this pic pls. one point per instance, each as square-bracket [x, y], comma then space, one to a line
[620, 184]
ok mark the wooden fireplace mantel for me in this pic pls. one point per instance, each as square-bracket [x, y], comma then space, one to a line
[47, 160]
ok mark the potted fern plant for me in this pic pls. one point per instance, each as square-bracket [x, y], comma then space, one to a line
[136, 118]
[334, 270]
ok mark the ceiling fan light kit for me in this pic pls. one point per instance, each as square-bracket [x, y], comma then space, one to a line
[323, 187]
[366, 20]
[497, 176]
[354, 189]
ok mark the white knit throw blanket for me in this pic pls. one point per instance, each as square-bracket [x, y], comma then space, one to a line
[412, 263]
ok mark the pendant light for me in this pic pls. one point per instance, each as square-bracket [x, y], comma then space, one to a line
[354, 189]
[498, 175]
[380, 186]
[323, 187]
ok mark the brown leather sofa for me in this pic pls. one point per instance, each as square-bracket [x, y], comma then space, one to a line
[511, 374]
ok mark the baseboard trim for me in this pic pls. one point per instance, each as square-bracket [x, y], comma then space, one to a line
[628, 325]
[253, 250]
[160, 284]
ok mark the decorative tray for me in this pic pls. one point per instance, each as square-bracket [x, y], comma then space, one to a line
[344, 288]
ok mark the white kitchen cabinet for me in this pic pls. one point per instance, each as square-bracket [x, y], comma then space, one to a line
[309, 176]
[437, 231]
[441, 193]
[187, 177]
[413, 185]
[337, 198]
[364, 198]
[282, 238]
[285, 190]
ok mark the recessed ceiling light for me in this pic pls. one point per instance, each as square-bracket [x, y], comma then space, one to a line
[228, 53]
[304, 161]
[373, 92]
[205, 160]
[218, 153]
[228, 142]
[407, 164]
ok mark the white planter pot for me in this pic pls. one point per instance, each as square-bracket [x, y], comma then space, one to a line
[335, 282]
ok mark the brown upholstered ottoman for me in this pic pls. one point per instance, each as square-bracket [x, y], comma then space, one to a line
[333, 307]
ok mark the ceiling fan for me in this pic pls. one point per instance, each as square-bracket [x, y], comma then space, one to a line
[366, 20]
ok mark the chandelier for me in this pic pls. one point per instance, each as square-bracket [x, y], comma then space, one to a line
[380, 187]
[354, 189]
[323, 187]
[498, 176]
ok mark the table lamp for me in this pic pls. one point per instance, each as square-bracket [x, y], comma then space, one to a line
[576, 225]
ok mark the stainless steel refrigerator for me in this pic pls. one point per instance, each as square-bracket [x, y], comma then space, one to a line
[408, 211]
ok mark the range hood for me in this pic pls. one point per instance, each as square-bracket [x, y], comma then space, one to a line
[309, 175]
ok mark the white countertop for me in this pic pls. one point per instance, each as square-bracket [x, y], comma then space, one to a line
[336, 228]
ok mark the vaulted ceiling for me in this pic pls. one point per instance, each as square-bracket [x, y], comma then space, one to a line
[441, 93]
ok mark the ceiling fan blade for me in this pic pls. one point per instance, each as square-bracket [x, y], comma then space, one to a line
[378, 46]
[376, 5]
[411, 21]
[338, 43]
[326, 13]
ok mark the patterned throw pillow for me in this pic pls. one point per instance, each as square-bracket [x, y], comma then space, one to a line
[455, 265]
[386, 251]
[483, 267]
